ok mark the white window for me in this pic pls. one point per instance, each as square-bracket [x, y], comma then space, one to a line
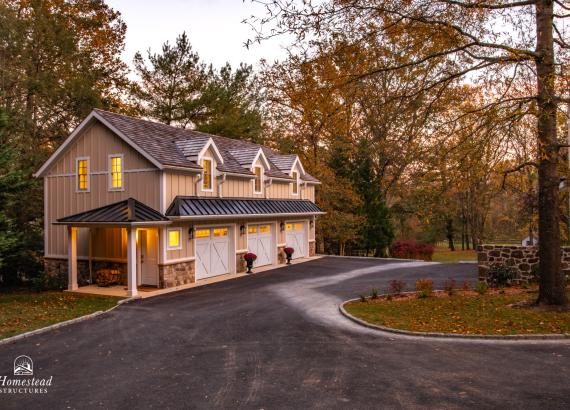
[82, 169]
[295, 185]
[116, 173]
[174, 239]
[258, 181]
[207, 166]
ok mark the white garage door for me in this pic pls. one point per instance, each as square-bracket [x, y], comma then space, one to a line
[296, 238]
[212, 252]
[259, 242]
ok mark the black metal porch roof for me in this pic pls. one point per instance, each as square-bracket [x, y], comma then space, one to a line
[128, 211]
[203, 207]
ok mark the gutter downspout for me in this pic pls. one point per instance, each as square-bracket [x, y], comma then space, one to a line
[269, 182]
[220, 183]
[200, 176]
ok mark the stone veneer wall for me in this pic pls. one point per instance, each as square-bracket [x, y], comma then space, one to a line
[176, 274]
[312, 248]
[281, 257]
[523, 259]
[58, 267]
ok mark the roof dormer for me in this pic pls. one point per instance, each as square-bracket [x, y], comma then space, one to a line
[195, 148]
[248, 157]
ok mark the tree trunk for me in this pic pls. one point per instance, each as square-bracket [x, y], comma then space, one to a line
[449, 234]
[552, 284]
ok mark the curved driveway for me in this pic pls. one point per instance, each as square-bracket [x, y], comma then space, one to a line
[276, 340]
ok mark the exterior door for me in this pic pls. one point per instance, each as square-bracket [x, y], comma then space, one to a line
[259, 242]
[212, 252]
[148, 245]
[296, 238]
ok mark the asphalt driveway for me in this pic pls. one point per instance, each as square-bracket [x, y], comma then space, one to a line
[276, 340]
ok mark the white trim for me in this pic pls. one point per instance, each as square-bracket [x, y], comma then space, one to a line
[211, 143]
[261, 154]
[179, 260]
[77, 131]
[46, 221]
[240, 216]
[281, 244]
[274, 238]
[183, 169]
[110, 179]
[114, 224]
[126, 171]
[211, 189]
[261, 179]
[241, 251]
[84, 258]
[297, 160]
[162, 194]
[174, 248]
[77, 190]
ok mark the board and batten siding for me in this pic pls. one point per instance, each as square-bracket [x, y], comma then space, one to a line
[141, 181]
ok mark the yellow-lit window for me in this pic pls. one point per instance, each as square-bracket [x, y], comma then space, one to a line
[82, 175]
[264, 229]
[116, 172]
[207, 180]
[174, 239]
[202, 233]
[257, 181]
[252, 229]
[295, 176]
[289, 227]
[220, 232]
[299, 227]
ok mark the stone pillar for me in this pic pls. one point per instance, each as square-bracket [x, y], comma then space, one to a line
[132, 261]
[71, 258]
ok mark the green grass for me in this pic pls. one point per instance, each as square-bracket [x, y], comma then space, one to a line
[446, 256]
[23, 310]
[462, 314]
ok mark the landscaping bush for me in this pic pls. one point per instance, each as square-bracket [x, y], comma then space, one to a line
[363, 298]
[500, 276]
[424, 288]
[481, 288]
[466, 286]
[411, 250]
[397, 286]
[45, 281]
[374, 294]
[449, 286]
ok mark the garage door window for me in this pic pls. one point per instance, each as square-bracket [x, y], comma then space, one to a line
[264, 229]
[219, 232]
[202, 233]
[252, 229]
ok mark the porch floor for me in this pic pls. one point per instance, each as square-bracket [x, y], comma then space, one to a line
[148, 292]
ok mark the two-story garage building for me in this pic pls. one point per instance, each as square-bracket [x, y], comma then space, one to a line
[166, 206]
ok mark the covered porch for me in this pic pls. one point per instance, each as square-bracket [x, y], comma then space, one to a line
[139, 226]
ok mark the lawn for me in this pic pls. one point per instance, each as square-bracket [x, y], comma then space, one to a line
[23, 310]
[463, 313]
[446, 256]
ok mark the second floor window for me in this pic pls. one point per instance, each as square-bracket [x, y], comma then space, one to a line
[295, 185]
[257, 181]
[116, 172]
[83, 174]
[207, 180]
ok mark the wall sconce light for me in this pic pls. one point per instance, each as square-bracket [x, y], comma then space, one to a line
[311, 223]
[282, 226]
[242, 230]
[191, 233]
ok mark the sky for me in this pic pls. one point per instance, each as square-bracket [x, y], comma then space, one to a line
[214, 28]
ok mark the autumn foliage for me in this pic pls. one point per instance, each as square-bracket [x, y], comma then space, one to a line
[411, 250]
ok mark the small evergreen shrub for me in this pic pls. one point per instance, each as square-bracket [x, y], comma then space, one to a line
[424, 288]
[481, 288]
[397, 286]
[500, 276]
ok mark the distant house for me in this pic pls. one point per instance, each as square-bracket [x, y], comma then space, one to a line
[166, 206]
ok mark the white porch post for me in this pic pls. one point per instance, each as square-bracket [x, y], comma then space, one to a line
[71, 258]
[132, 261]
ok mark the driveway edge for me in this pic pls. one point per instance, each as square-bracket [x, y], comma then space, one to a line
[421, 335]
[58, 325]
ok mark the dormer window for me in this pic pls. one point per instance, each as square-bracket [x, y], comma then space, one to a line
[207, 166]
[258, 181]
[295, 185]
[82, 174]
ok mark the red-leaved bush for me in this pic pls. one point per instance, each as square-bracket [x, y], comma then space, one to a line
[411, 250]
[250, 256]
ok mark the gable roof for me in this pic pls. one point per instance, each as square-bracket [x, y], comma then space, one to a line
[166, 146]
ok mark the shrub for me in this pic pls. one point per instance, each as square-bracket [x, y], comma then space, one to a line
[500, 276]
[424, 288]
[481, 288]
[411, 250]
[397, 286]
[374, 294]
[466, 286]
[363, 298]
[449, 286]
[45, 281]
